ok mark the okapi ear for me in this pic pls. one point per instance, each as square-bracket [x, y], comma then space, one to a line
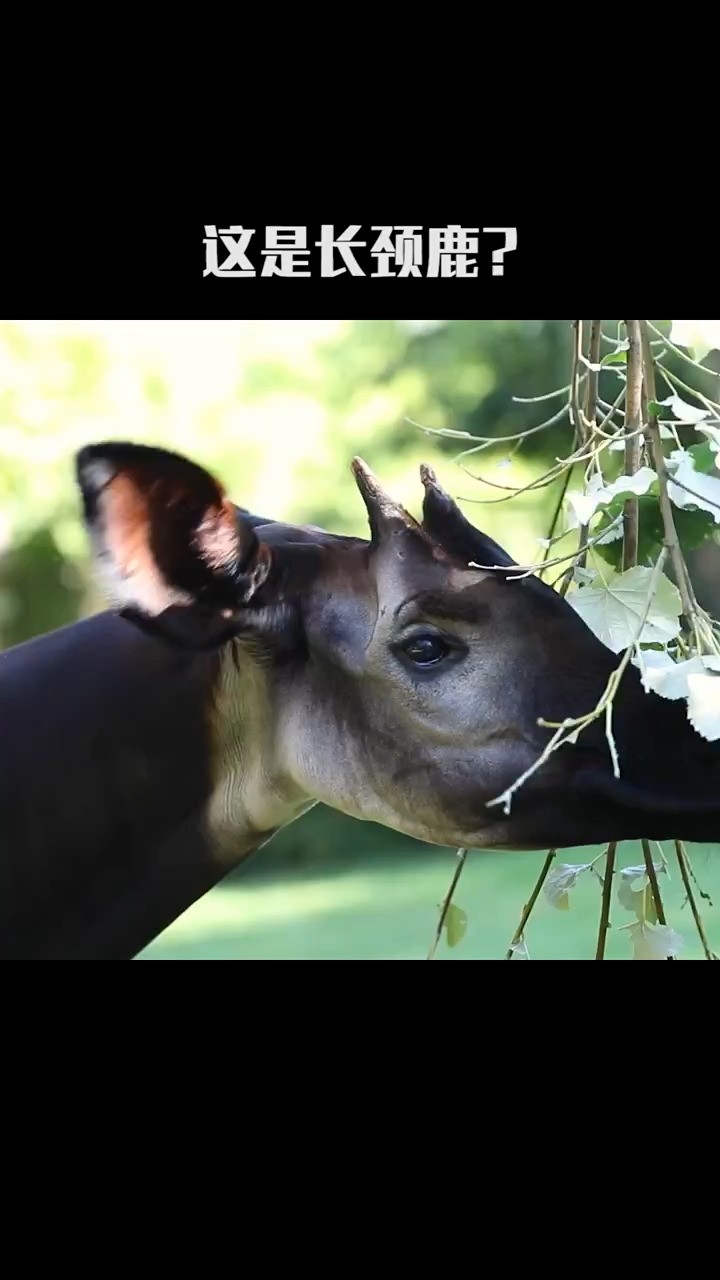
[168, 539]
[446, 524]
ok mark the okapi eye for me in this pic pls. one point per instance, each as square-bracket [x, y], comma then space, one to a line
[425, 651]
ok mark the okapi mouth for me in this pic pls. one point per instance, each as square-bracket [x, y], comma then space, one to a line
[661, 814]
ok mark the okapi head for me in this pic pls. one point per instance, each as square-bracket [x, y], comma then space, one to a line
[399, 679]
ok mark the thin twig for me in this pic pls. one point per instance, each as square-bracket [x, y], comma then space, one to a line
[461, 856]
[606, 896]
[575, 413]
[521, 571]
[581, 722]
[671, 538]
[652, 877]
[583, 454]
[549, 395]
[531, 903]
[705, 896]
[686, 872]
[671, 377]
[591, 392]
[633, 422]
[555, 518]
[451, 433]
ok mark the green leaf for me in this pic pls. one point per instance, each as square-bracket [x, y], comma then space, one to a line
[615, 357]
[693, 528]
[455, 924]
[703, 458]
[654, 408]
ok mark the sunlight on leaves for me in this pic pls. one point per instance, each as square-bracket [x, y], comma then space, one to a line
[582, 506]
[697, 336]
[613, 610]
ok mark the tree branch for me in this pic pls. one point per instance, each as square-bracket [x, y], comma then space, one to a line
[606, 896]
[591, 393]
[671, 538]
[652, 877]
[685, 871]
[517, 936]
[461, 856]
[633, 419]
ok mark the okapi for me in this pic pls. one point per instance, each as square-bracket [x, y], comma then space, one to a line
[248, 669]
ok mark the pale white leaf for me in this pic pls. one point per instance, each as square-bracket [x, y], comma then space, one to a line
[704, 705]
[519, 950]
[638, 483]
[561, 879]
[683, 411]
[654, 941]
[699, 336]
[632, 885]
[584, 576]
[614, 610]
[652, 665]
[659, 674]
[699, 490]
[582, 506]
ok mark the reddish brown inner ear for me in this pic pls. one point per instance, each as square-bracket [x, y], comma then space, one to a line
[217, 537]
[127, 526]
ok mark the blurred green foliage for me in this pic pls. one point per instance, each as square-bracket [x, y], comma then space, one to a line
[277, 408]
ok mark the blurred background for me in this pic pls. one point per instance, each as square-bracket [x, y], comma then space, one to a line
[278, 409]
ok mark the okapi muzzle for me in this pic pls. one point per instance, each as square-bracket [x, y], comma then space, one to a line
[247, 669]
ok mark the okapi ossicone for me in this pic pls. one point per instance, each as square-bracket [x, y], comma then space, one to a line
[248, 669]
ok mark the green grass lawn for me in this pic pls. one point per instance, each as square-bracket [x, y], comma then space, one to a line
[388, 910]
